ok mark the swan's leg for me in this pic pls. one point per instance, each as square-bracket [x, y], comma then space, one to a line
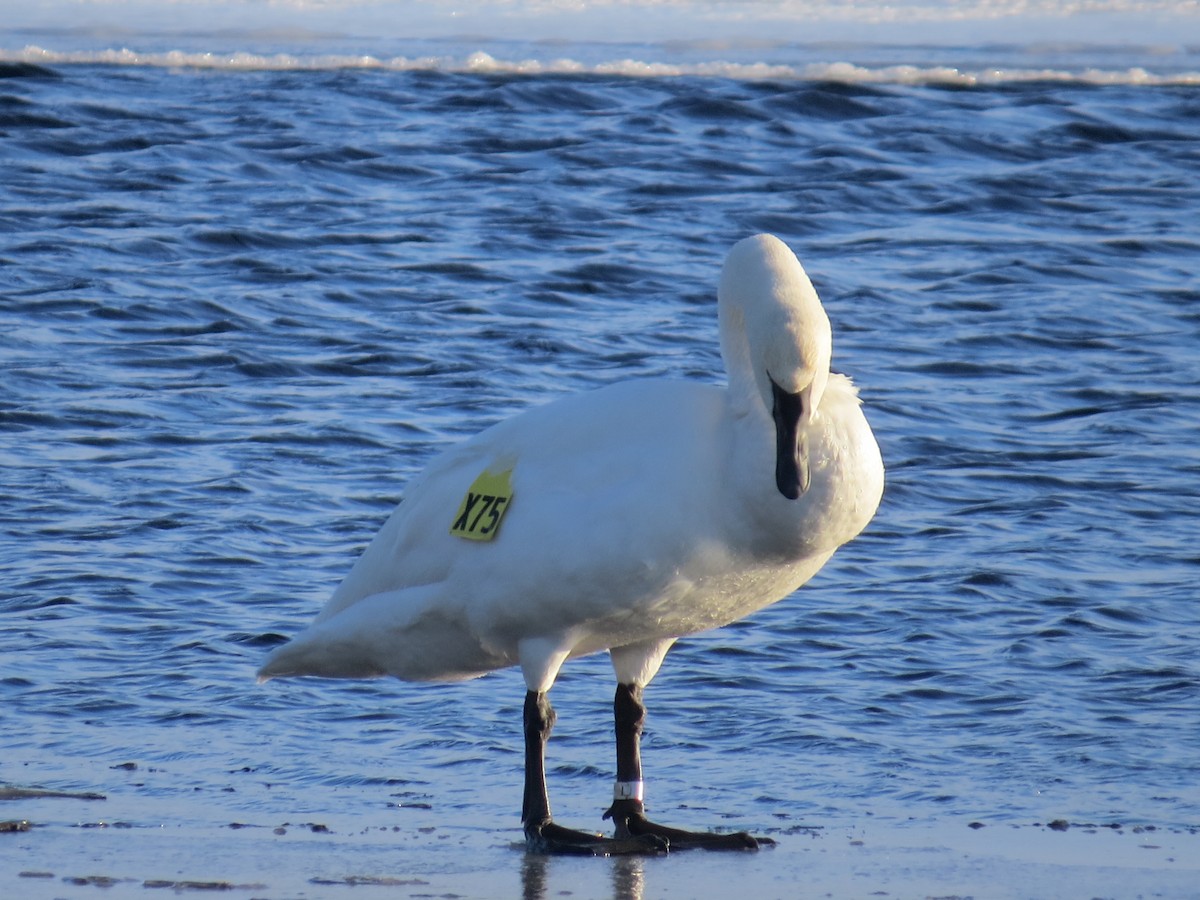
[628, 812]
[542, 835]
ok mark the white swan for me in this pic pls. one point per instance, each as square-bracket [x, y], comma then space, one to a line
[617, 520]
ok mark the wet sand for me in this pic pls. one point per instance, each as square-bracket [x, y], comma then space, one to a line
[76, 845]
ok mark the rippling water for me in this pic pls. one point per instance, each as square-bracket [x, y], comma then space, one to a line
[238, 309]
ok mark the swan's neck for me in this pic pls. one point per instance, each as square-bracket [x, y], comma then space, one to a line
[744, 394]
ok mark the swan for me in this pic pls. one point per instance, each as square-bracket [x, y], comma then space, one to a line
[617, 520]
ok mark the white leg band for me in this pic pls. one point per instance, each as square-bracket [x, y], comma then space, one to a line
[628, 790]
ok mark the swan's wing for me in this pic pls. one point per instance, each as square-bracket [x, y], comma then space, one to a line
[586, 539]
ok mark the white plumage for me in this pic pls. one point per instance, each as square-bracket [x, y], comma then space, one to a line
[638, 513]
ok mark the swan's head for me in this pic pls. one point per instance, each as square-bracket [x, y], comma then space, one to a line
[776, 341]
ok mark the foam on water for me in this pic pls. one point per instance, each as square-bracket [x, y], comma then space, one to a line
[1149, 42]
[652, 65]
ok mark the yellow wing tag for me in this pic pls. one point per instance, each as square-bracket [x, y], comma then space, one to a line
[487, 500]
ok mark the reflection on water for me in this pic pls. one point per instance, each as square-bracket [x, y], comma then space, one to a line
[627, 874]
[533, 876]
[628, 878]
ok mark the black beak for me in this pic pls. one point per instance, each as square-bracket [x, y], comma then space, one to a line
[791, 469]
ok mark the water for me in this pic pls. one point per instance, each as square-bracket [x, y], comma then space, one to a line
[241, 306]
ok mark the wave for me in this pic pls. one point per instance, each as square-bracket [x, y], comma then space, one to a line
[481, 62]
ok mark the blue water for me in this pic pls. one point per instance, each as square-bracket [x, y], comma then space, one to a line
[240, 308]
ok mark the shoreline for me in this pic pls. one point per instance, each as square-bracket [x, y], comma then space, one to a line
[57, 855]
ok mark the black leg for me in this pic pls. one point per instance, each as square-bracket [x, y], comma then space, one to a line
[629, 714]
[542, 835]
[539, 722]
[628, 812]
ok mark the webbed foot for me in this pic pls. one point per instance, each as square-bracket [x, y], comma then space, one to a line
[631, 823]
[550, 838]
